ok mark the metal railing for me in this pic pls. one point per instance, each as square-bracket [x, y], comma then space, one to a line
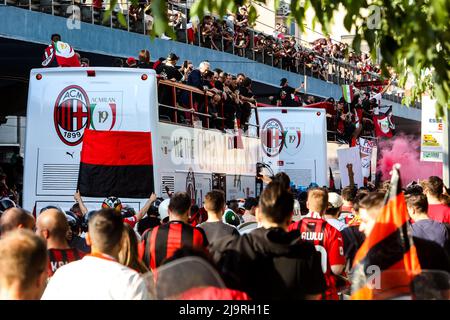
[194, 108]
[137, 20]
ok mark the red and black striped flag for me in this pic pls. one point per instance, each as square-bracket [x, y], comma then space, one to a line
[387, 261]
[116, 163]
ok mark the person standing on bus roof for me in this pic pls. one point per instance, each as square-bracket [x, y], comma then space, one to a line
[168, 71]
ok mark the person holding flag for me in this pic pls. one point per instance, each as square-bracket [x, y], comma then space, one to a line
[59, 54]
[390, 258]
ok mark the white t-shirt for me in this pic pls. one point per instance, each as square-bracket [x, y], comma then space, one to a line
[93, 278]
[248, 217]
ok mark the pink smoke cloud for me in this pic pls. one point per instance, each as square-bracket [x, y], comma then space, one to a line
[406, 151]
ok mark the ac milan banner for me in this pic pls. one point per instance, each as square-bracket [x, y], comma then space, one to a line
[365, 148]
[383, 124]
[116, 163]
[375, 83]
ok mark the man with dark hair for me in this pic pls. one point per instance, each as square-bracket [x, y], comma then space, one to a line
[240, 77]
[16, 218]
[23, 266]
[168, 70]
[283, 179]
[437, 208]
[98, 276]
[52, 226]
[55, 37]
[271, 263]
[286, 94]
[424, 227]
[215, 229]
[348, 195]
[250, 205]
[162, 241]
[326, 238]
[430, 254]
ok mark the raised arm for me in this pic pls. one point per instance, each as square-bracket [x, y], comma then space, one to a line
[79, 200]
[146, 206]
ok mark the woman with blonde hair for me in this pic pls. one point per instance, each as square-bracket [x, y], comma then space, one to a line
[128, 254]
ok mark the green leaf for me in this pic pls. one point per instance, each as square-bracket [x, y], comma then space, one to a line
[121, 18]
[357, 43]
[348, 21]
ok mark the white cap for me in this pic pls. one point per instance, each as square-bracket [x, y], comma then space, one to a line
[334, 200]
[163, 209]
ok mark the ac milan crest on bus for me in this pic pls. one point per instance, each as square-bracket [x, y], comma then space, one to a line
[272, 137]
[71, 114]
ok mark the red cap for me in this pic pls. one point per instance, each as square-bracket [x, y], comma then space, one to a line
[131, 62]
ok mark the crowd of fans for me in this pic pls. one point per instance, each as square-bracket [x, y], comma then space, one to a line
[230, 98]
[224, 101]
[118, 249]
[232, 33]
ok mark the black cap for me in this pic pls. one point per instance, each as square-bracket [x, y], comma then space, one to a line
[283, 81]
[172, 56]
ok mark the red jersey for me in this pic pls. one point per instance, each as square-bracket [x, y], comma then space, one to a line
[131, 221]
[60, 257]
[328, 241]
[439, 212]
[162, 241]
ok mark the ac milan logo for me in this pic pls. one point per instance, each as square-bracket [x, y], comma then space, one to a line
[71, 114]
[384, 125]
[272, 137]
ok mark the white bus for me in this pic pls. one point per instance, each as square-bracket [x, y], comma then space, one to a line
[294, 141]
[63, 102]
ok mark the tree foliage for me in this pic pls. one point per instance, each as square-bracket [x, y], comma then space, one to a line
[413, 35]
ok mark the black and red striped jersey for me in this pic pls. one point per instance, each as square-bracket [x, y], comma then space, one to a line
[60, 257]
[161, 242]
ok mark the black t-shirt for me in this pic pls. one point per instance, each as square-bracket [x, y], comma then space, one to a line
[218, 85]
[169, 72]
[145, 65]
[245, 92]
[217, 230]
[353, 239]
[285, 95]
[270, 264]
[431, 255]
